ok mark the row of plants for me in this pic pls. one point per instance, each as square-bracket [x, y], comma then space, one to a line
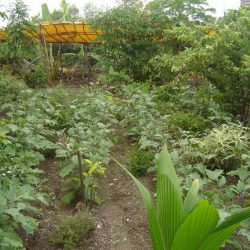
[23, 143]
[76, 128]
[85, 145]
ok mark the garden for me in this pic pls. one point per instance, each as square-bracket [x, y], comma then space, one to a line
[138, 139]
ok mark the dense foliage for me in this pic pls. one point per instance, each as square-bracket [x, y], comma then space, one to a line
[221, 59]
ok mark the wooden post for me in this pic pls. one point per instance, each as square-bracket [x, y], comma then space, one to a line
[46, 55]
[89, 64]
[80, 173]
[60, 55]
[86, 51]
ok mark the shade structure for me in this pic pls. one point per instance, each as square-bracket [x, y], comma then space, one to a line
[2, 35]
[62, 32]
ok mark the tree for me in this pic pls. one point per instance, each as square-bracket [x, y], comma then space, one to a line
[223, 59]
[184, 11]
[19, 43]
[45, 13]
[131, 37]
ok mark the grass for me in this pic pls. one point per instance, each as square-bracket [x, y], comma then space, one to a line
[72, 230]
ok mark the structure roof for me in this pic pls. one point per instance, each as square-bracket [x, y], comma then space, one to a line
[63, 32]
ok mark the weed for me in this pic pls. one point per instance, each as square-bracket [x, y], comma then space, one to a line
[72, 230]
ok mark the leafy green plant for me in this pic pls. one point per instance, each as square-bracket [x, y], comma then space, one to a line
[222, 59]
[15, 206]
[189, 224]
[128, 45]
[87, 138]
[19, 44]
[114, 77]
[72, 230]
[243, 184]
[145, 123]
[81, 179]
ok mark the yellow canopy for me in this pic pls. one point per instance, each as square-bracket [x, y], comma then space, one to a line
[63, 32]
[2, 35]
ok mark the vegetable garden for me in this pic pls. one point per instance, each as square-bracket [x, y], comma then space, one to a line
[137, 141]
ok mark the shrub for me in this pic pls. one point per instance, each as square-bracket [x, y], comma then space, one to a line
[114, 77]
[72, 229]
[188, 121]
[222, 148]
[140, 160]
[10, 87]
[37, 76]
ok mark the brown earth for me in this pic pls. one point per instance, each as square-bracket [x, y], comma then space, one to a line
[121, 218]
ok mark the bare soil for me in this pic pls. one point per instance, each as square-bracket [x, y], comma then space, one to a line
[121, 219]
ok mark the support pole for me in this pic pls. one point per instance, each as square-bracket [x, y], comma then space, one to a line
[45, 55]
[87, 58]
[80, 174]
[89, 64]
[60, 58]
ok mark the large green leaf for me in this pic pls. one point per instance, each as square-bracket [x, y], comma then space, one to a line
[225, 229]
[170, 208]
[215, 240]
[10, 240]
[200, 223]
[192, 197]
[235, 218]
[155, 230]
[28, 223]
[68, 197]
[66, 170]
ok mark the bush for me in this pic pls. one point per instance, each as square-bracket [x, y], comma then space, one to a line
[222, 148]
[10, 87]
[140, 160]
[72, 229]
[188, 121]
[69, 59]
[38, 77]
[128, 42]
[115, 77]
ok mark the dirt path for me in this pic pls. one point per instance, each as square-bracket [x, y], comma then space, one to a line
[121, 219]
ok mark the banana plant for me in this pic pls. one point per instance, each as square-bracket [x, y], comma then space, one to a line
[190, 224]
[51, 63]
